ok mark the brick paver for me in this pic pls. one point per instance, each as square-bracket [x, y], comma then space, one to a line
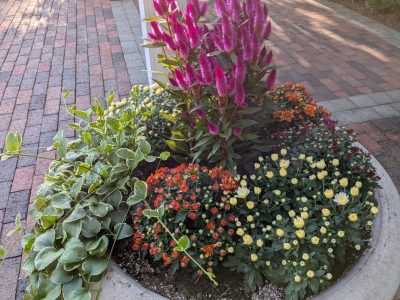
[45, 46]
[333, 57]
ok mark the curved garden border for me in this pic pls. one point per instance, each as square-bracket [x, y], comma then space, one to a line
[375, 276]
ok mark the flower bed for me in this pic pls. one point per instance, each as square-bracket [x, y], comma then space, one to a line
[220, 169]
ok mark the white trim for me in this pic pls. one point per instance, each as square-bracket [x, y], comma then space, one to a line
[144, 32]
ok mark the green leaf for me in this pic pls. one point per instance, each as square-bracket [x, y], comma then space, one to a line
[76, 187]
[61, 200]
[95, 265]
[244, 123]
[122, 231]
[144, 147]
[178, 147]
[249, 111]
[125, 153]
[18, 220]
[45, 240]
[48, 290]
[114, 198]
[161, 211]
[90, 227]
[13, 142]
[71, 286]
[183, 244]
[98, 247]
[46, 256]
[2, 251]
[75, 251]
[113, 123]
[165, 155]
[48, 220]
[139, 193]
[80, 294]
[99, 209]
[73, 229]
[150, 213]
[77, 214]
[60, 276]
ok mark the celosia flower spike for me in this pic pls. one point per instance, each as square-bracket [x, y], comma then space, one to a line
[180, 79]
[237, 131]
[235, 10]
[157, 33]
[269, 83]
[220, 7]
[169, 41]
[268, 58]
[240, 70]
[221, 82]
[213, 128]
[190, 75]
[158, 8]
[240, 96]
[206, 69]
[267, 30]
[228, 34]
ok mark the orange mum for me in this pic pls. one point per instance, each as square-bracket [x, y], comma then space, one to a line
[310, 109]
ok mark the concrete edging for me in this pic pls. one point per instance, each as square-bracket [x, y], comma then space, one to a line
[375, 276]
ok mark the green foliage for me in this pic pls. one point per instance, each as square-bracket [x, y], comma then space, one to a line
[82, 205]
[383, 5]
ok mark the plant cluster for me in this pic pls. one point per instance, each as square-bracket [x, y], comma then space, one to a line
[302, 210]
[217, 74]
[194, 201]
[291, 103]
[81, 207]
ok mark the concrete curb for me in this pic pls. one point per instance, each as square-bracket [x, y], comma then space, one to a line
[375, 276]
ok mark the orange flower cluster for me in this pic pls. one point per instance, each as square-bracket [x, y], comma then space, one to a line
[292, 102]
[196, 202]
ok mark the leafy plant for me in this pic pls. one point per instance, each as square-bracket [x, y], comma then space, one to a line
[81, 207]
[217, 73]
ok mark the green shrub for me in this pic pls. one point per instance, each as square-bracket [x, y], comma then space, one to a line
[302, 210]
[81, 207]
[383, 5]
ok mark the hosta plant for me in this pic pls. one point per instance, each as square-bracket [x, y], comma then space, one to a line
[80, 209]
[218, 74]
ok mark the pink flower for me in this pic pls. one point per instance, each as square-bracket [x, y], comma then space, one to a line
[200, 114]
[190, 75]
[267, 30]
[180, 79]
[158, 8]
[157, 33]
[192, 9]
[269, 83]
[206, 69]
[203, 9]
[268, 58]
[235, 10]
[169, 41]
[240, 96]
[220, 7]
[213, 128]
[228, 34]
[240, 70]
[173, 81]
[221, 82]
[237, 131]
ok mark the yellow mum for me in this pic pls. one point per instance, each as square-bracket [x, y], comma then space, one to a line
[247, 239]
[282, 172]
[279, 232]
[354, 191]
[353, 217]
[253, 257]
[233, 201]
[329, 193]
[298, 222]
[269, 174]
[286, 246]
[315, 240]
[250, 204]
[344, 182]
[300, 233]
[326, 212]
[310, 274]
[274, 157]
[240, 231]
[374, 210]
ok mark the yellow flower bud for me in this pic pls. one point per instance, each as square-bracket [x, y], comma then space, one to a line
[284, 163]
[374, 210]
[306, 256]
[310, 274]
[304, 215]
[253, 257]
[294, 181]
[269, 174]
[240, 231]
[243, 183]
[297, 279]
[274, 157]
[292, 213]
[322, 230]
[250, 218]
[354, 191]
[260, 243]
[250, 204]
[286, 246]
[326, 212]
[315, 240]
[283, 152]
[279, 232]
[344, 182]
[233, 201]
[302, 156]
[298, 222]
[247, 239]
[300, 233]
[359, 184]
[340, 233]
[282, 172]
[329, 193]
[335, 162]
[257, 190]
[353, 217]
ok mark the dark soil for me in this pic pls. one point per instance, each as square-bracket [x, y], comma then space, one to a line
[390, 19]
[182, 286]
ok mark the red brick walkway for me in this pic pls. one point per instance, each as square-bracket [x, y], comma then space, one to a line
[47, 45]
[335, 58]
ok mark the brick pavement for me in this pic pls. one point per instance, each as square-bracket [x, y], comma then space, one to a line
[45, 46]
[49, 44]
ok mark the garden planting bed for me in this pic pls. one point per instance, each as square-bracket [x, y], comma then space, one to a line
[374, 275]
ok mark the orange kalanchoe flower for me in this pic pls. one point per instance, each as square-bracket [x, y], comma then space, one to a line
[209, 249]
